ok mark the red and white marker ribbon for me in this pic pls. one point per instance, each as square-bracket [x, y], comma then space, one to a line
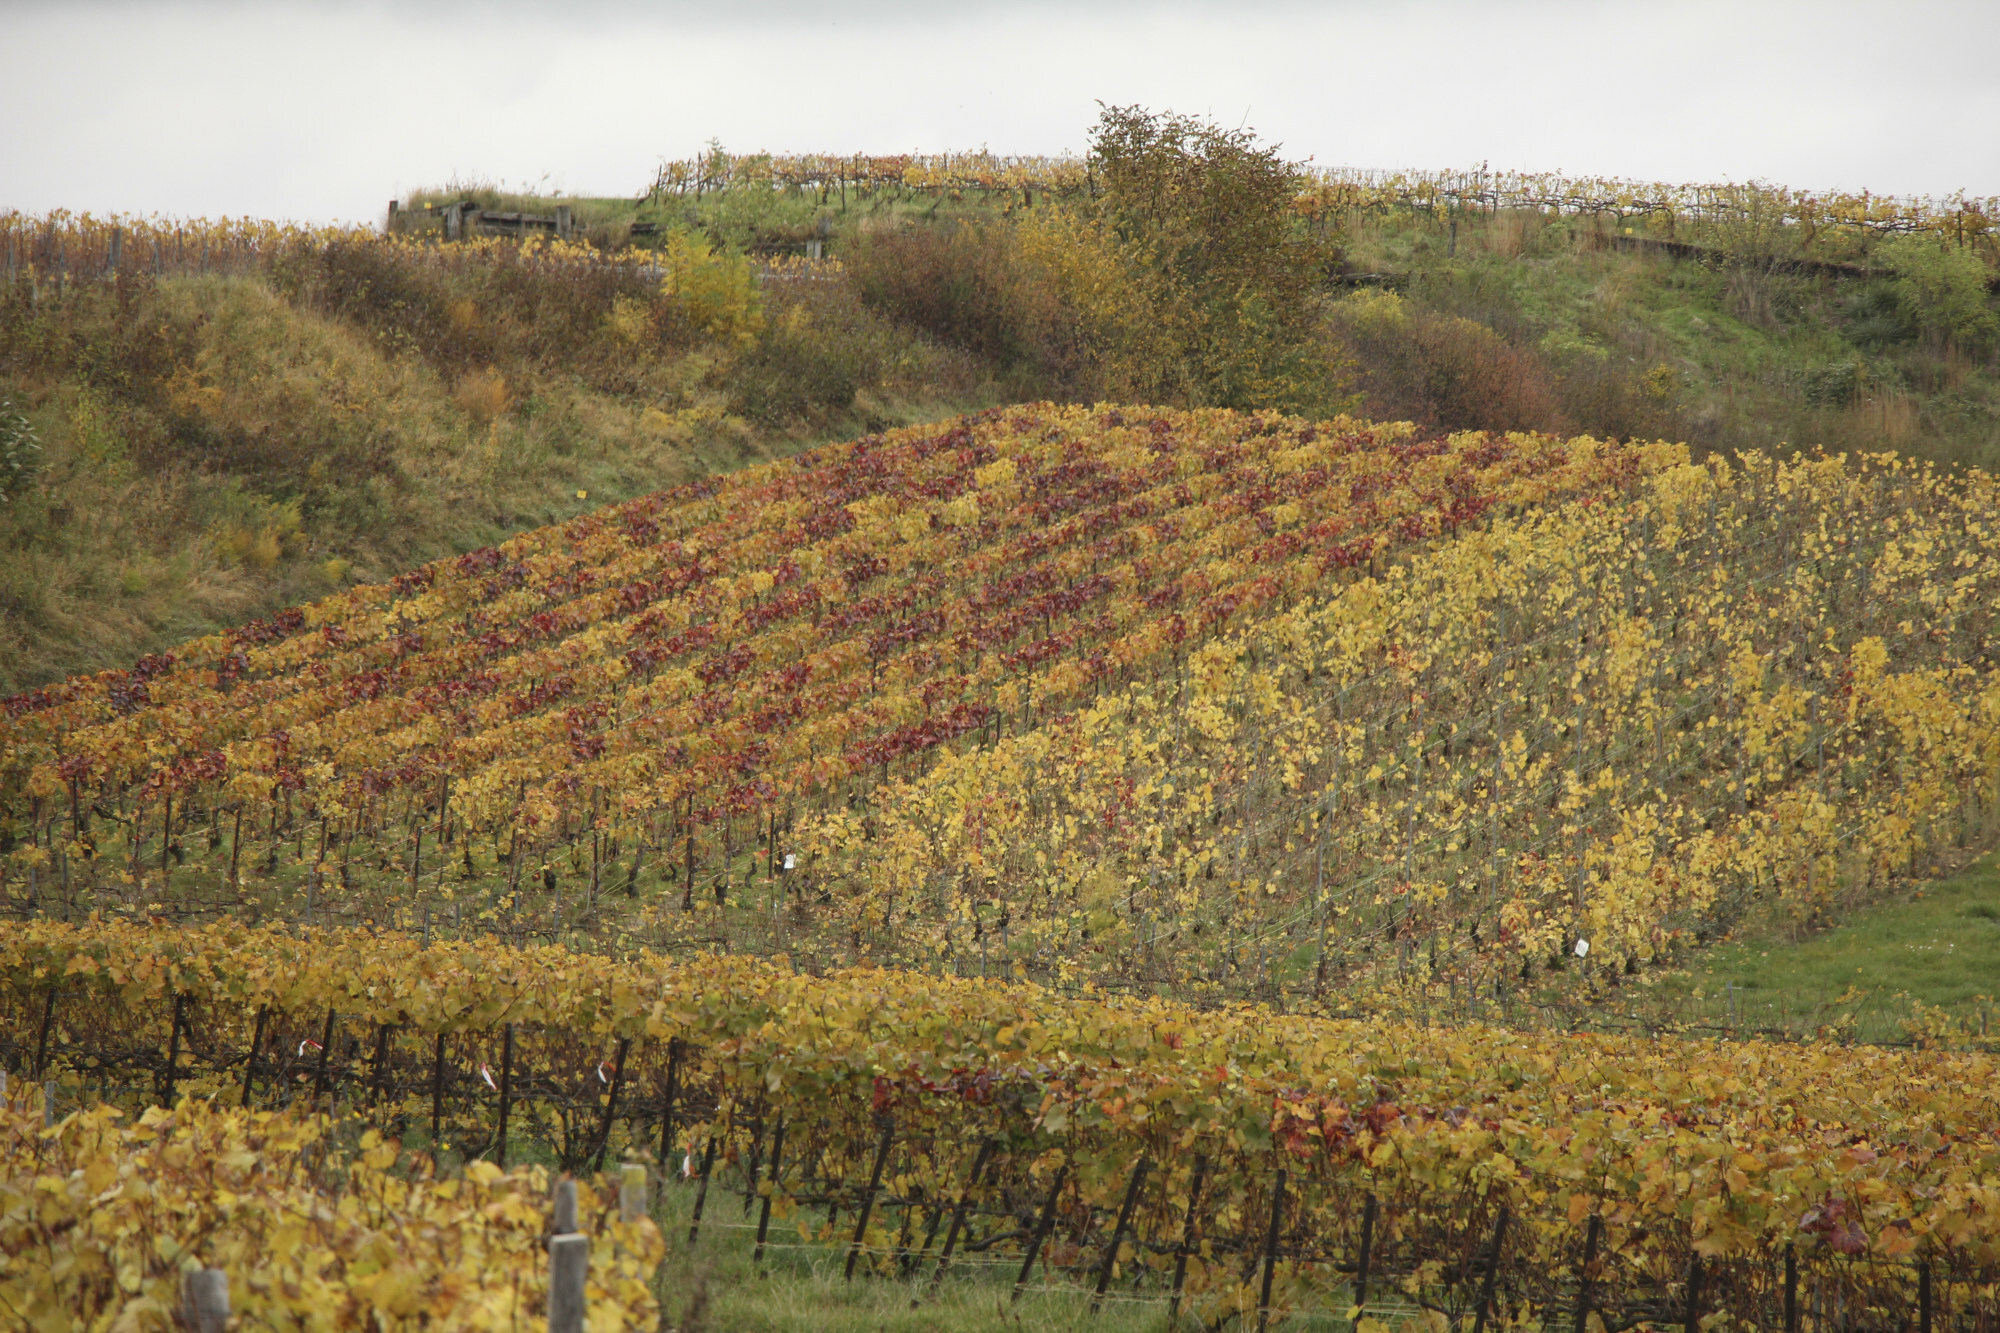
[486, 1072]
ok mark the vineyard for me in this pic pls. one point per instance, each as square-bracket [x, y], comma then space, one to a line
[1748, 216]
[1587, 738]
[323, 1242]
[1749, 219]
[960, 844]
[1229, 706]
[1229, 1161]
[667, 691]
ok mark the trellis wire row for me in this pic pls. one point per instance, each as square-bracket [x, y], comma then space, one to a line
[886, 1194]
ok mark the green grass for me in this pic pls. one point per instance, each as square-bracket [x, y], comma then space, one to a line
[1930, 958]
[714, 1284]
[1754, 358]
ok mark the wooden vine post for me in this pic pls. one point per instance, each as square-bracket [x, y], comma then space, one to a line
[1587, 1274]
[1186, 1247]
[868, 1198]
[958, 1213]
[701, 1189]
[611, 1102]
[1361, 1264]
[770, 1191]
[174, 1049]
[674, 1049]
[1271, 1252]
[1042, 1225]
[506, 1093]
[1118, 1232]
[250, 1060]
[325, 1053]
[205, 1300]
[1492, 1274]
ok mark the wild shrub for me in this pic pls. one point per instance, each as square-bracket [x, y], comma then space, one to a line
[711, 295]
[482, 395]
[284, 399]
[1445, 372]
[1941, 290]
[20, 450]
[1234, 274]
[960, 283]
[823, 347]
[1043, 299]
[1185, 279]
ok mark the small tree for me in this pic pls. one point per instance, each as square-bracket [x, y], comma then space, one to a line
[711, 294]
[1942, 291]
[1235, 277]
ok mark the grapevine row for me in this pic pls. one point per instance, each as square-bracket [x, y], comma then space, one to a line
[1604, 723]
[1735, 1152]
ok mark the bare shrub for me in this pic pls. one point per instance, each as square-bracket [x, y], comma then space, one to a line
[482, 395]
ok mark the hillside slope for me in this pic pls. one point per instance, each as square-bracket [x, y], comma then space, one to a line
[187, 450]
[250, 416]
[1222, 703]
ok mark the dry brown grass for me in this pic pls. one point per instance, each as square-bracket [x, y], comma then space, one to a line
[215, 448]
[482, 395]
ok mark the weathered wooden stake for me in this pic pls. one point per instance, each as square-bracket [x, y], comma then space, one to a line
[437, 1092]
[1367, 1253]
[1186, 1246]
[1493, 1275]
[325, 1053]
[771, 1189]
[914, 1258]
[1271, 1252]
[562, 1207]
[754, 1159]
[174, 1050]
[1791, 1290]
[205, 1299]
[1042, 1225]
[569, 1270]
[378, 1085]
[868, 1199]
[631, 1192]
[42, 1042]
[1131, 1201]
[667, 1111]
[1691, 1318]
[1588, 1271]
[958, 1213]
[506, 1093]
[611, 1103]
[701, 1189]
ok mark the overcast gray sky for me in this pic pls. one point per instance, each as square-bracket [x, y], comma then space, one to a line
[322, 111]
